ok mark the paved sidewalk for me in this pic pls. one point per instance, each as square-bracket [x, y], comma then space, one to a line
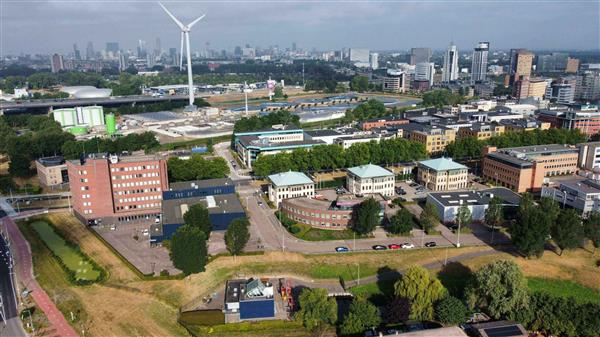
[24, 268]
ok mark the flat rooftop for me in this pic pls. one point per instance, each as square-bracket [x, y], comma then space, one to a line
[255, 142]
[172, 209]
[483, 197]
[322, 133]
[187, 185]
[155, 117]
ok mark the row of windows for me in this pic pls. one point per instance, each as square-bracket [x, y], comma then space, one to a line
[87, 203]
[137, 217]
[317, 215]
[294, 188]
[137, 175]
[137, 183]
[314, 223]
[85, 196]
[151, 205]
[145, 190]
[151, 197]
[82, 172]
[87, 211]
[134, 168]
[294, 195]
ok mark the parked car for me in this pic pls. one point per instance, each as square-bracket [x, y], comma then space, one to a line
[394, 246]
[260, 203]
[407, 245]
[379, 247]
[430, 244]
[341, 249]
[145, 232]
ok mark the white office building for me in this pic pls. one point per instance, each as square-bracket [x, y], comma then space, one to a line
[288, 185]
[374, 60]
[394, 81]
[479, 62]
[450, 71]
[370, 179]
[424, 71]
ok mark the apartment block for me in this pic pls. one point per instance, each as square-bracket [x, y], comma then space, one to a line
[433, 137]
[117, 188]
[481, 131]
[526, 168]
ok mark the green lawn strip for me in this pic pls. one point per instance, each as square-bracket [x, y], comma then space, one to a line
[564, 288]
[81, 268]
[271, 328]
[52, 277]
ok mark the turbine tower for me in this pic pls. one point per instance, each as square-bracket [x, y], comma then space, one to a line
[185, 35]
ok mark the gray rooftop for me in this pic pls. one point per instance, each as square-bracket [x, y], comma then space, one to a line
[289, 178]
[370, 171]
[255, 141]
[483, 197]
[186, 185]
[322, 133]
[225, 203]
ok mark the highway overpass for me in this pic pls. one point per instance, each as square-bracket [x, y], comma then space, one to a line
[45, 105]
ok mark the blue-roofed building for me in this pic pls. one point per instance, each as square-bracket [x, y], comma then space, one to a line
[290, 184]
[442, 174]
[370, 179]
[250, 299]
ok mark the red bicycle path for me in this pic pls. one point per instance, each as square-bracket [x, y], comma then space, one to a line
[24, 268]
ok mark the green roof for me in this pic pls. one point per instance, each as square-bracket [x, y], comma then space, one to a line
[369, 171]
[442, 164]
[289, 178]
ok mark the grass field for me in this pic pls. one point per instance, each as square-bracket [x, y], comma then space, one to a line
[564, 288]
[79, 265]
[126, 305]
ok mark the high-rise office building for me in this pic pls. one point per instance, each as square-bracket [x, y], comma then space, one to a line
[57, 63]
[122, 61]
[551, 62]
[76, 52]
[521, 61]
[424, 71]
[112, 47]
[359, 55]
[572, 65]
[294, 47]
[89, 51]
[374, 60]
[450, 70]
[157, 47]
[479, 62]
[588, 86]
[562, 90]
[420, 55]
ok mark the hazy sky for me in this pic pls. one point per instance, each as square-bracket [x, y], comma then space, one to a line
[53, 26]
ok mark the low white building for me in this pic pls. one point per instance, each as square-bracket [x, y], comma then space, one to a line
[290, 184]
[370, 179]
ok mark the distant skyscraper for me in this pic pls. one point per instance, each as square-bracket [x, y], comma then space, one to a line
[294, 46]
[122, 61]
[76, 52]
[424, 71]
[157, 47]
[237, 52]
[374, 60]
[57, 63]
[141, 49]
[359, 55]
[551, 62]
[89, 51]
[521, 61]
[112, 47]
[479, 62]
[450, 71]
[420, 55]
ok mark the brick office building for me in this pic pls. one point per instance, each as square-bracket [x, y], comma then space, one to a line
[117, 188]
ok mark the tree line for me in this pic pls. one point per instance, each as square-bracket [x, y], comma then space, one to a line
[196, 168]
[469, 147]
[254, 123]
[498, 289]
[327, 157]
[440, 98]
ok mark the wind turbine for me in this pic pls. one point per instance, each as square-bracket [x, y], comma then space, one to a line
[185, 34]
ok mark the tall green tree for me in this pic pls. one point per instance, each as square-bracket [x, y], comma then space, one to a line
[567, 231]
[397, 310]
[421, 289]
[499, 288]
[237, 235]
[429, 218]
[494, 215]
[531, 229]
[359, 83]
[592, 228]
[402, 222]
[188, 249]
[366, 216]
[361, 316]
[317, 310]
[451, 311]
[198, 216]
[463, 216]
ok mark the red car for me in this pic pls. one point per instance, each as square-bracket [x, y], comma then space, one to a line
[394, 246]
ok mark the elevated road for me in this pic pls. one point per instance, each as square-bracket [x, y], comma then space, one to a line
[73, 102]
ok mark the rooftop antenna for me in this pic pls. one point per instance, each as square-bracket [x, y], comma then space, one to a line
[185, 33]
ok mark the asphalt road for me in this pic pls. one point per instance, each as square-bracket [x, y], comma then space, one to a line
[11, 324]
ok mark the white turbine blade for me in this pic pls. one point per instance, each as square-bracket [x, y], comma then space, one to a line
[181, 53]
[195, 21]
[181, 26]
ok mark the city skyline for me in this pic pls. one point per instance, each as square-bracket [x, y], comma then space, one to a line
[534, 25]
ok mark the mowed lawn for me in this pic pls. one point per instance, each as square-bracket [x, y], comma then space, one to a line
[82, 268]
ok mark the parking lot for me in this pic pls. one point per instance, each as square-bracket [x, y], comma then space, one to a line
[133, 242]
